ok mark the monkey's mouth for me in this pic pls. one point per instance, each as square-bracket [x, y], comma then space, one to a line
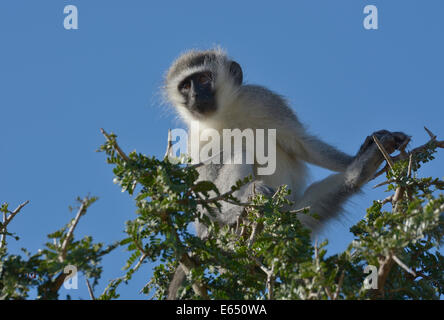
[203, 108]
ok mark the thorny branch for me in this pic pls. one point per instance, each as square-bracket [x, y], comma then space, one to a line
[386, 261]
[69, 235]
[58, 282]
[6, 220]
[169, 150]
[115, 145]
[90, 290]
[185, 261]
[404, 155]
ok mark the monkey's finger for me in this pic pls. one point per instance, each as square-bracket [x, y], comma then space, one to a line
[400, 136]
[381, 133]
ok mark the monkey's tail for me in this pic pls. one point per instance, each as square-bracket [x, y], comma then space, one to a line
[176, 283]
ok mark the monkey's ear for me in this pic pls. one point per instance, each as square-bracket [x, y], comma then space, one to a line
[236, 72]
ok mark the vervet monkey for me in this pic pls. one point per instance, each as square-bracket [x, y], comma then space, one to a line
[207, 86]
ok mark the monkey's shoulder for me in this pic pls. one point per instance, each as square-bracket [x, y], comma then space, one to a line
[254, 91]
[273, 105]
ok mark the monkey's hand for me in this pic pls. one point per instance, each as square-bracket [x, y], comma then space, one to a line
[369, 157]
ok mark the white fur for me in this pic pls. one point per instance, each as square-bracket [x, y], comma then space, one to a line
[255, 107]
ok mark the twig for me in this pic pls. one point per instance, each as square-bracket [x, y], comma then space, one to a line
[420, 274]
[69, 235]
[377, 174]
[384, 183]
[54, 285]
[3, 240]
[338, 289]
[404, 145]
[397, 198]
[404, 155]
[146, 286]
[319, 270]
[90, 290]
[270, 283]
[222, 198]
[270, 276]
[278, 190]
[300, 210]
[115, 145]
[409, 170]
[141, 259]
[255, 229]
[186, 262]
[203, 162]
[241, 204]
[6, 220]
[402, 265]
[383, 151]
[169, 145]
[387, 200]
[432, 136]
[132, 269]
[239, 221]
[439, 144]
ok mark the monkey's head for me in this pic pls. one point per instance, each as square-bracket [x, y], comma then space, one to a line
[201, 83]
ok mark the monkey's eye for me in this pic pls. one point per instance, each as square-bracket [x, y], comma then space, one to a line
[204, 79]
[185, 86]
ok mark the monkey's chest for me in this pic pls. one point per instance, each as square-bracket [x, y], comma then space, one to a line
[288, 171]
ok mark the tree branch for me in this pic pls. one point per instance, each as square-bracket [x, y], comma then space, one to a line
[115, 145]
[404, 155]
[300, 210]
[6, 220]
[169, 149]
[383, 151]
[186, 262]
[403, 266]
[338, 288]
[69, 235]
[385, 265]
[90, 290]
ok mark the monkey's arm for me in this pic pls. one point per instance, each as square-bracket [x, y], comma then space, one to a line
[268, 110]
[293, 138]
[317, 152]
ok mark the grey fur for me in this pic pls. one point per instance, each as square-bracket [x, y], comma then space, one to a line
[250, 106]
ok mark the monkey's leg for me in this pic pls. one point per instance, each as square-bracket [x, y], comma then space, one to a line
[325, 199]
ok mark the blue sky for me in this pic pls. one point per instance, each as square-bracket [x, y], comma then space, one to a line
[58, 87]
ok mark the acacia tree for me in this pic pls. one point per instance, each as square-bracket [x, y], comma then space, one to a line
[45, 270]
[268, 254]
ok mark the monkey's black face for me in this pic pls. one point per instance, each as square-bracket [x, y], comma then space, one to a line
[198, 92]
